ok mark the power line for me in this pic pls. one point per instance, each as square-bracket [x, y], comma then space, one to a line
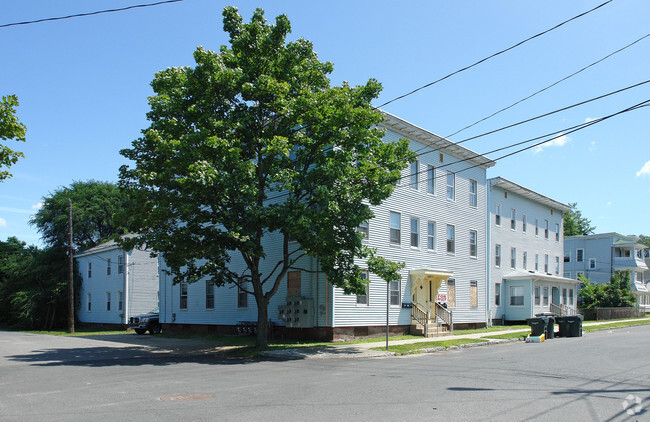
[549, 86]
[494, 55]
[78, 15]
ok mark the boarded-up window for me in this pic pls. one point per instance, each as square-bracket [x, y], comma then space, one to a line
[451, 293]
[473, 294]
[293, 283]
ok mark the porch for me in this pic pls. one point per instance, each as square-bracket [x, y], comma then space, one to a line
[429, 317]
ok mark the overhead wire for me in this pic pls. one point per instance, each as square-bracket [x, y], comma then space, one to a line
[78, 15]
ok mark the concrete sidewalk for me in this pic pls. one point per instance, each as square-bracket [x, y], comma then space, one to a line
[364, 349]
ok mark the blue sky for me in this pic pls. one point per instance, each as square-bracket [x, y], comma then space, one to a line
[83, 85]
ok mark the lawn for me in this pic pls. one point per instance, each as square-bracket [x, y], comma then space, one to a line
[520, 334]
[403, 349]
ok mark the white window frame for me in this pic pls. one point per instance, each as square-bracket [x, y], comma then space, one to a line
[431, 235]
[497, 255]
[395, 229]
[89, 302]
[108, 301]
[497, 215]
[536, 262]
[90, 270]
[545, 296]
[364, 300]
[546, 263]
[120, 300]
[415, 175]
[473, 193]
[451, 188]
[570, 296]
[395, 293]
[431, 179]
[513, 258]
[567, 255]
[473, 244]
[513, 219]
[537, 227]
[209, 294]
[546, 229]
[557, 265]
[364, 229]
[108, 267]
[524, 262]
[120, 264]
[514, 293]
[524, 223]
[538, 296]
[592, 263]
[242, 296]
[497, 294]
[451, 239]
[580, 255]
[182, 296]
[557, 232]
[415, 235]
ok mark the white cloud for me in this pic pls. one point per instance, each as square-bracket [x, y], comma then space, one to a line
[645, 170]
[3, 222]
[37, 206]
[560, 141]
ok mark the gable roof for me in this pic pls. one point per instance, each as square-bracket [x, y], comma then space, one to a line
[510, 186]
[103, 247]
[419, 134]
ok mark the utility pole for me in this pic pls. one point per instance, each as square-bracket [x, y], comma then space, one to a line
[70, 273]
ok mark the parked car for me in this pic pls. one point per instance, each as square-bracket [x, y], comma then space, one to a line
[146, 322]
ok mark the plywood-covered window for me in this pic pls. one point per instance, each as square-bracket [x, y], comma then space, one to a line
[473, 294]
[451, 293]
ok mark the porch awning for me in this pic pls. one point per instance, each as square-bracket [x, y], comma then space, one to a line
[425, 274]
[639, 287]
[533, 275]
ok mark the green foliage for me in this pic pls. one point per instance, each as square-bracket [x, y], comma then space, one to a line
[10, 128]
[645, 240]
[33, 286]
[94, 205]
[575, 224]
[254, 142]
[615, 294]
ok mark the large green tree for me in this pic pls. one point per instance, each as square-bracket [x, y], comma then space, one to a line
[94, 205]
[575, 224]
[10, 128]
[615, 294]
[253, 142]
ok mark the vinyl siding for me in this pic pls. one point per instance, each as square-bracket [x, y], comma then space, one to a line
[523, 242]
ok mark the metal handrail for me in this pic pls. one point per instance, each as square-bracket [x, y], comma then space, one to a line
[421, 315]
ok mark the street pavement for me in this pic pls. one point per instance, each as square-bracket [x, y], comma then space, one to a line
[604, 375]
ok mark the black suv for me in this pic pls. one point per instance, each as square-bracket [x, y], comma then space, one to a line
[147, 322]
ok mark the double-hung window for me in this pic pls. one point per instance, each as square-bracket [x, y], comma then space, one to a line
[183, 296]
[524, 262]
[557, 265]
[472, 243]
[362, 300]
[513, 258]
[497, 215]
[451, 186]
[108, 301]
[395, 227]
[242, 295]
[537, 296]
[90, 270]
[395, 293]
[108, 266]
[209, 294]
[546, 263]
[567, 255]
[545, 229]
[557, 232]
[415, 174]
[120, 264]
[497, 256]
[537, 227]
[431, 235]
[580, 255]
[513, 219]
[524, 223]
[451, 238]
[545, 297]
[497, 294]
[364, 229]
[415, 232]
[120, 300]
[516, 296]
[431, 180]
[536, 262]
[473, 193]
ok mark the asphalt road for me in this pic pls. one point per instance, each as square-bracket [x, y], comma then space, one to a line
[46, 378]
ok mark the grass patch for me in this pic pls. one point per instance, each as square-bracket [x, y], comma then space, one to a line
[614, 325]
[507, 336]
[403, 349]
[80, 332]
[490, 329]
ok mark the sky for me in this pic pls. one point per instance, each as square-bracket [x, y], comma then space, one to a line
[83, 85]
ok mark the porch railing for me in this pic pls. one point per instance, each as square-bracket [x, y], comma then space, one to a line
[563, 310]
[443, 314]
[421, 315]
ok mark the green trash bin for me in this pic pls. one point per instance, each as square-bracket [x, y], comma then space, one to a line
[574, 325]
[537, 326]
[563, 326]
[550, 327]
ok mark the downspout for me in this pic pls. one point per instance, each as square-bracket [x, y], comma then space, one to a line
[127, 295]
[488, 311]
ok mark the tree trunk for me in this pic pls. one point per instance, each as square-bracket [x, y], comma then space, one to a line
[262, 339]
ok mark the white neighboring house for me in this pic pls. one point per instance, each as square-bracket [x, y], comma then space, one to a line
[116, 284]
[526, 254]
[435, 222]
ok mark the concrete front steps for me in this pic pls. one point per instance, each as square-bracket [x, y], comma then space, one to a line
[418, 330]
